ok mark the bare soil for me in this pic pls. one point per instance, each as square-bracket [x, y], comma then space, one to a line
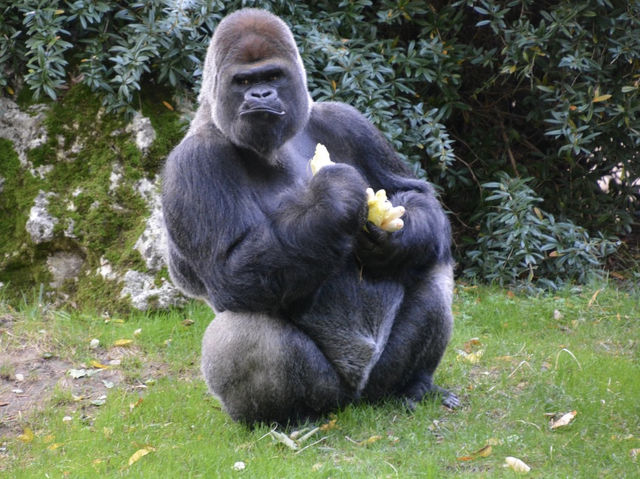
[30, 378]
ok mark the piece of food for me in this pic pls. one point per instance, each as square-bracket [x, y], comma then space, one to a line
[320, 159]
[382, 213]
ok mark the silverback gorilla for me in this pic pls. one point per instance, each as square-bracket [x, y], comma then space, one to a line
[315, 306]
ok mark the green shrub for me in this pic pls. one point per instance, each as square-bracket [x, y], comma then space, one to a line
[548, 90]
[520, 244]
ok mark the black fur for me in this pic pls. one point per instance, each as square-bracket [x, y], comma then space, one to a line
[315, 307]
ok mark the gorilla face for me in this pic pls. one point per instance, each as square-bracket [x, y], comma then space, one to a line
[259, 107]
[260, 98]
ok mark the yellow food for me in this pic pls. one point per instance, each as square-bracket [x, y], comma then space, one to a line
[320, 159]
[382, 213]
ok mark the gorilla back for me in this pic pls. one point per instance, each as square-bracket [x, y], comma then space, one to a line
[315, 306]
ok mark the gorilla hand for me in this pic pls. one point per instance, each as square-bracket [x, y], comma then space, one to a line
[381, 212]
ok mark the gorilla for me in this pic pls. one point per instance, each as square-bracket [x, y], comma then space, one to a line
[315, 307]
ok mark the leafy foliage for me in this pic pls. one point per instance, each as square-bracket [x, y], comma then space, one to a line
[518, 240]
[544, 90]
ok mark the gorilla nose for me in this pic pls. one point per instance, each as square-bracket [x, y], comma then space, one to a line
[261, 93]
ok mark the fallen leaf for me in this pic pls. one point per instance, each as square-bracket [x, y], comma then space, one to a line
[167, 105]
[371, 440]
[137, 332]
[77, 373]
[516, 464]
[123, 342]
[140, 453]
[55, 446]
[634, 454]
[482, 452]
[107, 384]
[48, 439]
[134, 405]
[468, 345]
[564, 420]
[472, 358]
[188, 322]
[330, 425]
[95, 364]
[27, 435]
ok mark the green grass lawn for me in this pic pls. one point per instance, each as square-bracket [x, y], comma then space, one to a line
[139, 408]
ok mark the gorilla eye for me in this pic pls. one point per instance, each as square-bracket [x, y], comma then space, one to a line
[241, 80]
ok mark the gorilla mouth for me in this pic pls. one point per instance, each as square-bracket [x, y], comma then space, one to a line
[269, 111]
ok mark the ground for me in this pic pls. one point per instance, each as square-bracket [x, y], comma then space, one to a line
[31, 376]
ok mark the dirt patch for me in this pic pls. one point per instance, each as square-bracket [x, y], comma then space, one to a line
[30, 378]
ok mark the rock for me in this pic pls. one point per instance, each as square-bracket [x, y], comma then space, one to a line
[143, 292]
[152, 243]
[40, 223]
[64, 265]
[116, 177]
[143, 131]
[25, 130]
[106, 270]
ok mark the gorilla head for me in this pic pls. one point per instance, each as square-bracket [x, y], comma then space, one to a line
[254, 81]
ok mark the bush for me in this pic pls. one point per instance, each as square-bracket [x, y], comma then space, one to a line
[544, 90]
[520, 244]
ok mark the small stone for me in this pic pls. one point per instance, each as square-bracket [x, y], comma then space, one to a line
[239, 466]
[19, 377]
[94, 343]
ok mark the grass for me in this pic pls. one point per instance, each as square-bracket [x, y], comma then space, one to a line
[515, 361]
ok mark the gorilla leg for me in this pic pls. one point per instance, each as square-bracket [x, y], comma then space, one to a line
[264, 369]
[417, 342]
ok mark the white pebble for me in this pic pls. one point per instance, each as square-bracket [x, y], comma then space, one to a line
[239, 466]
[94, 343]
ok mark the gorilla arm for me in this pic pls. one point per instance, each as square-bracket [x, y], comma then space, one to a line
[250, 249]
[425, 238]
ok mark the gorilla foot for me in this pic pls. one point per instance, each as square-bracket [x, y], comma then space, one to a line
[449, 399]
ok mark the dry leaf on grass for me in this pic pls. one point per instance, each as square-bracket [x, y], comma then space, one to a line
[516, 464]
[473, 358]
[98, 365]
[122, 342]
[469, 345]
[564, 420]
[27, 435]
[140, 453]
[482, 452]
